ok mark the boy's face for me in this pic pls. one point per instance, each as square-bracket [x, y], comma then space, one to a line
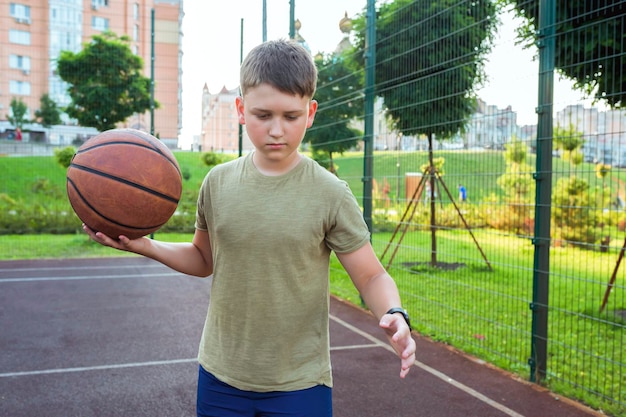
[275, 122]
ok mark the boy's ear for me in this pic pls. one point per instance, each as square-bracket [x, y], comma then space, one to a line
[240, 114]
[311, 114]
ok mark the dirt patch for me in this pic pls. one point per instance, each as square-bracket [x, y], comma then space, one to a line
[446, 266]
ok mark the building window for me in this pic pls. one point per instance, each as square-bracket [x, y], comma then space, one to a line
[136, 11]
[136, 33]
[96, 4]
[20, 13]
[19, 62]
[20, 88]
[99, 23]
[19, 36]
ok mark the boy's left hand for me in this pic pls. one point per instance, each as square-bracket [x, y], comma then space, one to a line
[399, 336]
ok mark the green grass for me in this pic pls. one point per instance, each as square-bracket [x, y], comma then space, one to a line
[14, 247]
[24, 177]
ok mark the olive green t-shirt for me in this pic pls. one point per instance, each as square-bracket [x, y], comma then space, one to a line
[271, 237]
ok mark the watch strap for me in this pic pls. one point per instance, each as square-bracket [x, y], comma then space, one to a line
[402, 311]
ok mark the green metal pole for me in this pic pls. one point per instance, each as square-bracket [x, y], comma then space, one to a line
[240, 61]
[152, 79]
[152, 72]
[543, 179]
[264, 20]
[292, 19]
[368, 137]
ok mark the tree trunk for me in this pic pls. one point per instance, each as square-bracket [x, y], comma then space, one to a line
[433, 222]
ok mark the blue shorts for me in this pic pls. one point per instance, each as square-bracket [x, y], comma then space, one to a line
[217, 399]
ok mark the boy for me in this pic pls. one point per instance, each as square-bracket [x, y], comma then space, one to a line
[265, 227]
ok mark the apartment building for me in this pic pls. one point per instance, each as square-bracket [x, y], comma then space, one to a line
[604, 132]
[220, 126]
[34, 32]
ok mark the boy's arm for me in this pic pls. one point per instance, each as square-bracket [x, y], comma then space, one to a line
[380, 293]
[192, 258]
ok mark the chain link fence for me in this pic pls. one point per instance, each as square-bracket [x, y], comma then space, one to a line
[491, 172]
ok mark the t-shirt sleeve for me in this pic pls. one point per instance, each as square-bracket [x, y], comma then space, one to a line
[349, 231]
[201, 223]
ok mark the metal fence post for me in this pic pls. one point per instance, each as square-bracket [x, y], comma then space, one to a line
[543, 179]
[368, 139]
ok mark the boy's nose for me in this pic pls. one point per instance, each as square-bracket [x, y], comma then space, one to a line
[276, 129]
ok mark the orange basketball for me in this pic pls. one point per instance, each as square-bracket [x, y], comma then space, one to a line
[124, 182]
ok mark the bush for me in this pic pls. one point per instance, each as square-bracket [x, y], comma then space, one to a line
[64, 156]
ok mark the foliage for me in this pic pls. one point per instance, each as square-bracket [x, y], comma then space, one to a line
[40, 182]
[519, 187]
[515, 151]
[48, 113]
[574, 221]
[19, 111]
[437, 164]
[589, 44]
[64, 156]
[339, 94]
[429, 57]
[186, 173]
[212, 159]
[517, 182]
[106, 84]
[322, 158]
[569, 141]
[602, 170]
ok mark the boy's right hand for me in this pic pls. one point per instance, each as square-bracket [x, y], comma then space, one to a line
[122, 243]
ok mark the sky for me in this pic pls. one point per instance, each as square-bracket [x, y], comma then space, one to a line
[212, 48]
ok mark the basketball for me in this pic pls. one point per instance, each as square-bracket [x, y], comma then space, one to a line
[124, 182]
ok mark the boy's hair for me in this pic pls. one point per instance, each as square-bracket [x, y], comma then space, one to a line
[283, 64]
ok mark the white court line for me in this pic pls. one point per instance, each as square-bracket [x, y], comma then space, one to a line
[89, 267]
[86, 277]
[354, 347]
[96, 368]
[433, 371]
[129, 365]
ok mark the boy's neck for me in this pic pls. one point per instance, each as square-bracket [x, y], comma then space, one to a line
[270, 169]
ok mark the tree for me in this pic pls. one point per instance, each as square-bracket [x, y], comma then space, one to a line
[339, 93]
[590, 47]
[429, 61]
[569, 141]
[572, 218]
[518, 186]
[18, 113]
[48, 114]
[429, 58]
[64, 156]
[106, 84]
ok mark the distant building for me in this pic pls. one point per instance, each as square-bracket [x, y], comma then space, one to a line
[490, 127]
[220, 126]
[604, 132]
[36, 33]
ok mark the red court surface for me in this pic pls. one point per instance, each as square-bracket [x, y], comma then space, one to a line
[119, 337]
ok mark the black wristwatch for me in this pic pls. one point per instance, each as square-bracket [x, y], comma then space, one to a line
[403, 312]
